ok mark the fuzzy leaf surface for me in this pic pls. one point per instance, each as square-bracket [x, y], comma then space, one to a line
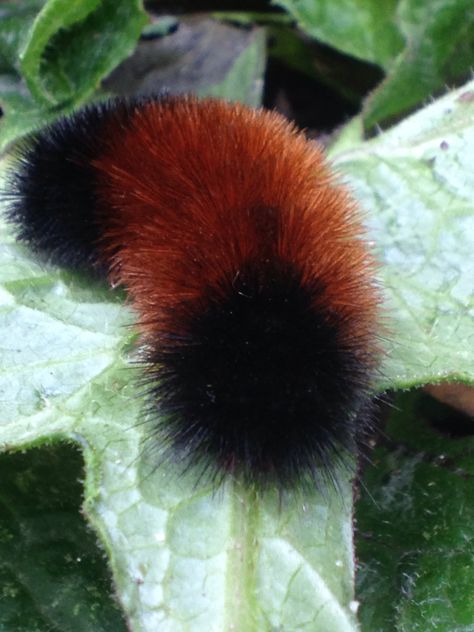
[416, 184]
[52, 575]
[415, 534]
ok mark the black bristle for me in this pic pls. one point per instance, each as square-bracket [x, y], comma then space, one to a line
[262, 386]
[52, 191]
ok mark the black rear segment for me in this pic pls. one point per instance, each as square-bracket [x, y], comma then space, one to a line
[51, 192]
[261, 387]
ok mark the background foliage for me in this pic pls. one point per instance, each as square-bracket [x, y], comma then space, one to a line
[181, 557]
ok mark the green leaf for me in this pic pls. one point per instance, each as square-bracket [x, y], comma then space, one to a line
[19, 113]
[416, 181]
[52, 576]
[439, 49]
[422, 45]
[415, 525]
[50, 41]
[53, 60]
[365, 28]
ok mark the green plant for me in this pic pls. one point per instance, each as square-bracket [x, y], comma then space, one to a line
[187, 558]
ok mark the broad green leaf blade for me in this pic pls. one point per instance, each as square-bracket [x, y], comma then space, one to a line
[439, 49]
[415, 525]
[416, 183]
[366, 29]
[52, 575]
[59, 338]
[421, 45]
[225, 559]
[53, 60]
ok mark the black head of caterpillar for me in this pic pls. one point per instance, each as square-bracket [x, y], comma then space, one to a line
[245, 261]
